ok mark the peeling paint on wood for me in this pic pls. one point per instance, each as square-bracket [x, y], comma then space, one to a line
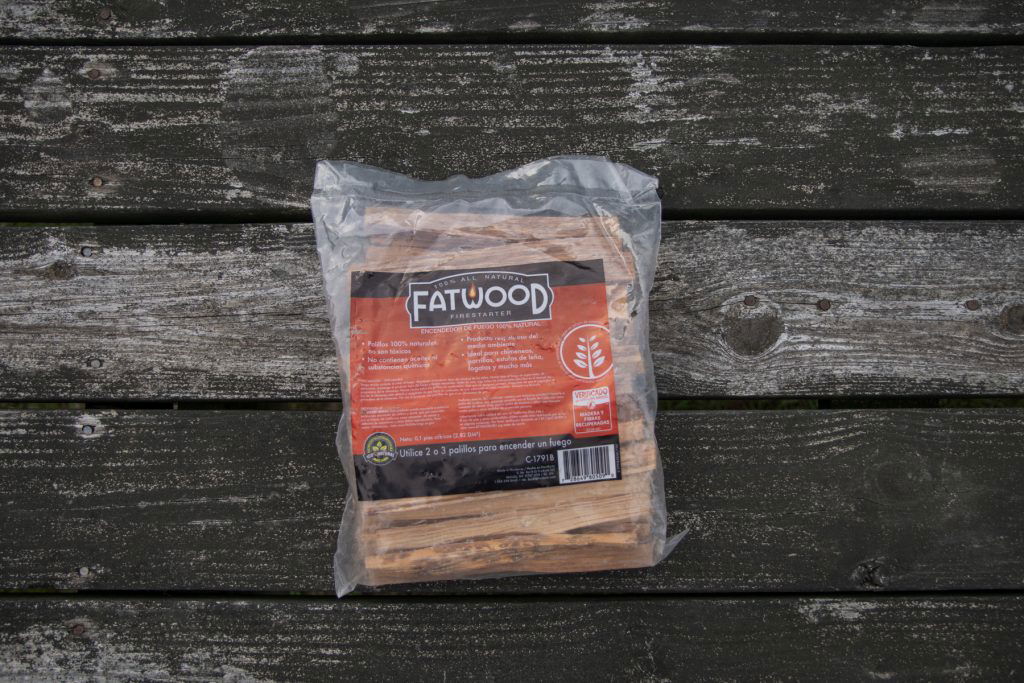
[374, 19]
[234, 132]
[773, 501]
[967, 637]
[237, 312]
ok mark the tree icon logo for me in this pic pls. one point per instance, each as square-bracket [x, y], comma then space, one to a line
[380, 449]
[586, 351]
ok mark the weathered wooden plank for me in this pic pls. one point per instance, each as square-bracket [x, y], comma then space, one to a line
[787, 308]
[974, 637]
[237, 312]
[774, 501]
[201, 311]
[184, 131]
[369, 20]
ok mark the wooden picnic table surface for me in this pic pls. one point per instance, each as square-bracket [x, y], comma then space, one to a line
[843, 244]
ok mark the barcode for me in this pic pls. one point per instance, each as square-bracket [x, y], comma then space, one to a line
[586, 464]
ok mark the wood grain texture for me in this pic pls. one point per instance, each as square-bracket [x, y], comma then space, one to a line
[773, 501]
[974, 637]
[237, 312]
[857, 308]
[374, 19]
[215, 311]
[233, 132]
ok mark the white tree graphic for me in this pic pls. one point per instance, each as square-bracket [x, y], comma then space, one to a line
[589, 355]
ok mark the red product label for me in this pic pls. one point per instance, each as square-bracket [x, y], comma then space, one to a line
[477, 380]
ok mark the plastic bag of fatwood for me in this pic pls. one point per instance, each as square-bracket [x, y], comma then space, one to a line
[492, 343]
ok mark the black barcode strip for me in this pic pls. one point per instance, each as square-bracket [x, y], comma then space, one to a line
[586, 464]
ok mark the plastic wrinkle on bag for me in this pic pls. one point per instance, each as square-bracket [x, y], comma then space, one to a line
[492, 342]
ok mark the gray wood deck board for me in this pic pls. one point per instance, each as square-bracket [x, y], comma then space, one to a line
[232, 132]
[973, 637]
[786, 501]
[237, 312]
[375, 20]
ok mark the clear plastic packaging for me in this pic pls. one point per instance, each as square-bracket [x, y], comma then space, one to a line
[499, 398]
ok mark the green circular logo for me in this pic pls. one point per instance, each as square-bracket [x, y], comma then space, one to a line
[380, 449]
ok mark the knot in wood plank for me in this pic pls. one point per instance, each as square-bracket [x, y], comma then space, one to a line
[1012, 319]
[60, 270]
[752, 326]
[872, 574]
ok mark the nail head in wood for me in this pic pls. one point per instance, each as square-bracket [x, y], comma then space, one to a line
[973, 305]
[88, 429]
[96, 181]
[78, 630]
[86, 251]
[93, 74]
[750, 300]
[106, 13]
[94, 363]
[824, 304]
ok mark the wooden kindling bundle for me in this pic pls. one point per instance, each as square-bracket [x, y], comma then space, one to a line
[453, 403]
